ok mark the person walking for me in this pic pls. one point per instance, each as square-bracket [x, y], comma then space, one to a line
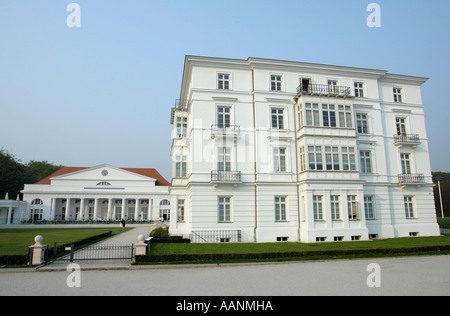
[122, 224]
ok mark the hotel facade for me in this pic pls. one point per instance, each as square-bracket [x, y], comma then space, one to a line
[268, 150]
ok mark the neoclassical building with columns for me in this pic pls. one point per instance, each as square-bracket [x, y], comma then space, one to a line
[101, 193]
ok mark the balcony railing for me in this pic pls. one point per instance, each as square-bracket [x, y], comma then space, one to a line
[226, 176]
[222, 130]
[322, 89]
[406, 139]
[417, 178]
[182, 104]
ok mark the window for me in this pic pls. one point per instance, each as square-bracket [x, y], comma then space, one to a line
[180, 167]
[36, 214]
[338, 238]
[359, 89]
[280, 209]
[398, 98]
[409, 207]
[180, 212]
[368, 207]
[345, 116]
[281, 239]
[224, 81]
[224, 209]
[164, 210]
[279, 158]
[223, 116]
[277, 118]
[329, 115]
[365, 162]
[348, 159]
[321, 239]
[224, 159]
[361, 124]
[406, 163]
[181, 127]
[332, 158]
[312, 114]
[335, 213]
[302, 159]
[332, 86]
[400, 123]
[353, 209]
[317, 207]
[275, 82]
[315, 157]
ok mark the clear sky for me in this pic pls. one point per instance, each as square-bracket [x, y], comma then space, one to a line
[102, 93]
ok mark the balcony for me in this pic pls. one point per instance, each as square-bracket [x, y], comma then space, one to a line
[406, 140]
[233, 177]
[221, 130]
[414, 178]
[324, 90]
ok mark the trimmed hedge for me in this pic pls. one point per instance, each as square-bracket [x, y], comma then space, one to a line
[283, 255]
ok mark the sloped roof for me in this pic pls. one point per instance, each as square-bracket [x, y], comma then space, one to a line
[148, 172]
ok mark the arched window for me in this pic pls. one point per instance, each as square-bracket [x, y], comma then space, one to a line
[164, 210]
[103, 183]
[37, 202]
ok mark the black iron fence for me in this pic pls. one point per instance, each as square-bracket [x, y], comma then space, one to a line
[99, 252]
[216, 236]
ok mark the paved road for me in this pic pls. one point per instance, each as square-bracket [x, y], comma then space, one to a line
[399, 276]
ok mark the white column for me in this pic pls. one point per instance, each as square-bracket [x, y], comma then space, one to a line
[124, 205]
[95, 210]
[109, 209]
[10, 210]
[136, 210]
[82, 210]
[67, 209]
[53, 210]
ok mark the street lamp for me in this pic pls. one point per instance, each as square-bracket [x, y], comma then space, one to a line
[438, 179]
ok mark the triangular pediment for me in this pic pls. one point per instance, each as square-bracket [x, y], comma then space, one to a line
[102, 173]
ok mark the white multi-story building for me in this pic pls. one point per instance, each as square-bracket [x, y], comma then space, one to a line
[268, 150]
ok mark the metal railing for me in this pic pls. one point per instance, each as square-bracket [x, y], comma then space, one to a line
[216, 236]
[414, 178]
[98, 252]
[226, 176]
[323, 89]
[407, 138]
[182, 104]
[221, 130]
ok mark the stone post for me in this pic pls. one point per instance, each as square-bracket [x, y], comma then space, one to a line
[141, 246]
[37, 251]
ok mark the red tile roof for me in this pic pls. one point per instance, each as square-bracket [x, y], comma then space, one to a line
[148, 172]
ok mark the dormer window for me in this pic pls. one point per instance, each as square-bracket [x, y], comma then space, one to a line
[103, 183]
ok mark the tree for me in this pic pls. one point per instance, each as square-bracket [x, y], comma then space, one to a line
[445, 192]
[14, 174]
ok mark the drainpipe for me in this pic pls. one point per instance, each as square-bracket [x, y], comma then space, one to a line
[255, 235]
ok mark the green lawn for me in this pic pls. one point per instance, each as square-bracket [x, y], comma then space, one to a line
[225, 248]
[16, 241]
